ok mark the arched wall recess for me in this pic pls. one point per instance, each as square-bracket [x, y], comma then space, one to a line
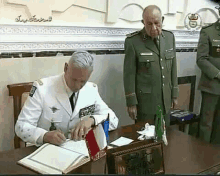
[131, 12]
[114, 13]
[205, 13]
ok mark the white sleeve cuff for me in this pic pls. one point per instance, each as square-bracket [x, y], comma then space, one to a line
[99, 118]
[39, 140]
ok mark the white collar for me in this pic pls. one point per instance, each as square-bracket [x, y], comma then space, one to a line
[68, 90]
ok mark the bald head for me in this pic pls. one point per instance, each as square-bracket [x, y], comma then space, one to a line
[152, 20]
[150, 10]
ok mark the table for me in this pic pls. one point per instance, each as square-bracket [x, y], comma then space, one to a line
[183, 155]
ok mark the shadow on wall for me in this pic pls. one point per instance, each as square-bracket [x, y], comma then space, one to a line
[108, 75]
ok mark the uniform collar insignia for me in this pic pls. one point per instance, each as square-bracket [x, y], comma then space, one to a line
[144, 34]
[54, 109]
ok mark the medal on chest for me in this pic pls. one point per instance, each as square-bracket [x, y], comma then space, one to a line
[87, 111]
[52, 127]
[54, 110]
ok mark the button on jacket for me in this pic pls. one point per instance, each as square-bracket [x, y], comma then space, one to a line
[49, 102]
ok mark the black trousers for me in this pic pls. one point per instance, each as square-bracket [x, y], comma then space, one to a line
[209, 127]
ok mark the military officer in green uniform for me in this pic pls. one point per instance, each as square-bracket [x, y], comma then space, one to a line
[150, 69]
[208, 60]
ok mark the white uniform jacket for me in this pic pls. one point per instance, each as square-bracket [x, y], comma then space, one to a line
[48, 101]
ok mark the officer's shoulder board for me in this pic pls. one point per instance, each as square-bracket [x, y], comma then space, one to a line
[40, 82]
[133, 34]
[204, 27]
[167, 31]
[33, 89]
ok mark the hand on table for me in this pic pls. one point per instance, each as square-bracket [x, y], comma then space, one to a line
[132, 111]
[82, 128]
[54, 137]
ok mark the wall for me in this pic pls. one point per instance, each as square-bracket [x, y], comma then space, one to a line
[108, 13]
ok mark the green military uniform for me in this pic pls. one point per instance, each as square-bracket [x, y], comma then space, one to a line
[150, 73]
[208, 60]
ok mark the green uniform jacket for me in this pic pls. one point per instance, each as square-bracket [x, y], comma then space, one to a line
[208, 59]
[150, 75]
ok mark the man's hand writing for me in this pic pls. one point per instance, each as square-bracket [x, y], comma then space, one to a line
[82, 128]
[54, 137]
[132, 111]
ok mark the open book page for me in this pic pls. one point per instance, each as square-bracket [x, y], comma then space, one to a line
[76, 146]
[51, 159]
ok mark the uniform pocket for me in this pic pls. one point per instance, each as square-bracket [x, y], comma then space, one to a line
[145, 64]
[169, 55]
[144, 97]
[146, 58]
[143, 89]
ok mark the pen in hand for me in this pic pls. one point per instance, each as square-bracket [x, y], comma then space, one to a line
[64, 139]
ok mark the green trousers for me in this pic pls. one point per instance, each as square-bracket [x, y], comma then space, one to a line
[149, 118]
[209, 127]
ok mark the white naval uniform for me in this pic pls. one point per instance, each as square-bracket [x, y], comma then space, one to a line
[51, 93]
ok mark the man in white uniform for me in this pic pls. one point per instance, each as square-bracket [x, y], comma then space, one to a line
[66, 103]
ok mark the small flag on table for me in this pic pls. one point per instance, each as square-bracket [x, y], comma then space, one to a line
[96, 142]
[160, 130]
[105, 126]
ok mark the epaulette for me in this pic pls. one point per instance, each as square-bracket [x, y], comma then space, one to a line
[167, 31]
[40, 82]
[133, 34]
[207, 26]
